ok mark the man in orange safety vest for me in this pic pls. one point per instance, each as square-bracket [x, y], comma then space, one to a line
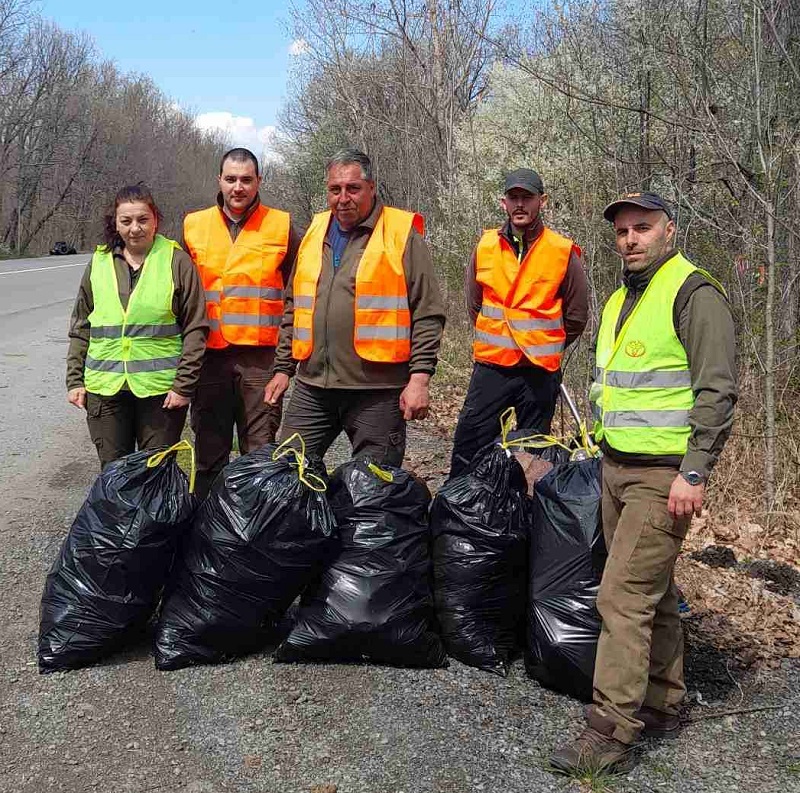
[362, 323]
[527, 297]
[244, 251]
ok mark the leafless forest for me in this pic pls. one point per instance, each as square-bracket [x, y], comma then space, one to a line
[73, 130]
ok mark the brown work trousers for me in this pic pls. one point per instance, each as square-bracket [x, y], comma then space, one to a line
[370, 418]
[121, 423]
[230, 394]
[640, 652]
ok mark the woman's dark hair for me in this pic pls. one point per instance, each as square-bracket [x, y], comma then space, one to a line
[134, 192]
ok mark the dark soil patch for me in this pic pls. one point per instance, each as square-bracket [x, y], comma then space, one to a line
[710, 669]
[715, 556]
[777, 576]
[71, 475]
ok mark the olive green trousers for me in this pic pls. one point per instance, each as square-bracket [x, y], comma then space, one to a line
[640, 652]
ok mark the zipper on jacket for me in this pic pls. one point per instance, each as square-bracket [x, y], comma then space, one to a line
[327, 314]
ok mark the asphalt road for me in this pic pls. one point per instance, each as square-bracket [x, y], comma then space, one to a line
[31, 289]
[36, 297]
[257, 727]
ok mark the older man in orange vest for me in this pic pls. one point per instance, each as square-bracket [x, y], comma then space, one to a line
[363, 321]
[528, 299]
[244, 251]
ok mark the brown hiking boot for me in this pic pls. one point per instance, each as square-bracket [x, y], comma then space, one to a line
[658, 724]
[594, 750]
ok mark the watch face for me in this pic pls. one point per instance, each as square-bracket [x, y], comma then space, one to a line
[692, 477]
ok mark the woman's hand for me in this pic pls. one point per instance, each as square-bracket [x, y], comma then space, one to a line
[173, 401]
[77, 397]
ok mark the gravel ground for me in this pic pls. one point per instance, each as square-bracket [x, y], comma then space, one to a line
[254, 726]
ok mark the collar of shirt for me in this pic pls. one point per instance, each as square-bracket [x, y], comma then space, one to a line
[229, 221]
[366, 225]
[370, 220]
[530, 236]
[638, 281]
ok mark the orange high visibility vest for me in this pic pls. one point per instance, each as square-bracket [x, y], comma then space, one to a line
[521, 311]
[382, 316]
[242, 279]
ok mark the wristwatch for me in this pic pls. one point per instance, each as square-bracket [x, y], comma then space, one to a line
[693, 477]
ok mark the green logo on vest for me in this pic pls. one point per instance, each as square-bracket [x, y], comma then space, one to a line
[635, 349]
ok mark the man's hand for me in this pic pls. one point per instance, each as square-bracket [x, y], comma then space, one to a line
[77, 397]
[414, 400]
[684, 499]
[276, 388]
[173, 401]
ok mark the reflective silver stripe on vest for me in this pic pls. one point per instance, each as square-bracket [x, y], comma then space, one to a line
[104, 366]
[213, 324]
[302, 334]
[134, 367]
[153, 331]
[141, 331]
[496, 340]
[646, 418]
[303, 301]
[544, 349]
[679, 379]
[379, 301]
[212, 295]
[382, 332]
[153, 365]
[492, 312]
[262, 293]
[105, 331]
[252, 320]
[536, 324]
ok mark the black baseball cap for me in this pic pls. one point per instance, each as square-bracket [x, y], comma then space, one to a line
[644, 200]
[525, 179]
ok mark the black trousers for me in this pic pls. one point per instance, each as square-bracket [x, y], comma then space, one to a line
[371, 418]
[231, 394]
[532, 391]
[123, 423]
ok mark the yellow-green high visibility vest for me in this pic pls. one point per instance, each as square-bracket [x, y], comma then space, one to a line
[140, 346]
[642, 391]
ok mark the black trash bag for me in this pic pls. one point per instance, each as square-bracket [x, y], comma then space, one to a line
[479, 522]
[113, 564]
[374, 602]
[567, 556]
[259, 538]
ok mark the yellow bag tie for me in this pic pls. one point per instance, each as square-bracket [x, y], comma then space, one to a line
[508, 419]
[381, 473]
[184, 445]
[310, 480]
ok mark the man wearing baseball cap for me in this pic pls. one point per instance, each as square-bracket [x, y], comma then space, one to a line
[663, 400]
[527, 297]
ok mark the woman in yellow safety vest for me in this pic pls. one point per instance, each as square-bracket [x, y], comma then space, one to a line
[138, 332]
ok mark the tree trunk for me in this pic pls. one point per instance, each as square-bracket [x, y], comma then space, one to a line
[769, 363]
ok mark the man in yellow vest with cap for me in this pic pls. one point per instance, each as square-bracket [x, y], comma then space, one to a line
[528, 300]
[663, 400]
[244, 251]
[363, 321]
